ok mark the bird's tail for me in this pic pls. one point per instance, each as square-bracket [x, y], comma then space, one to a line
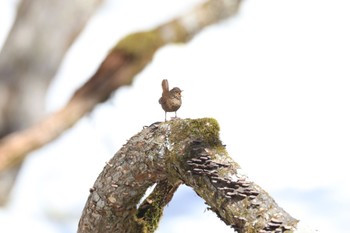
[165, 85]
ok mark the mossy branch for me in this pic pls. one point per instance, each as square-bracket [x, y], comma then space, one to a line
[151, 210]
[189, 151]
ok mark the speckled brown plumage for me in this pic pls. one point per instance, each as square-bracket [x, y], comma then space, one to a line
[170, 100]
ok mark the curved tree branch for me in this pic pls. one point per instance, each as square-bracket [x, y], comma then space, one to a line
[186, 150]
[120, 66]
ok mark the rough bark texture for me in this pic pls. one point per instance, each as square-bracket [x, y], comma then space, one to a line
[118, 189]
[119, 68]
[40, 36]
[186, 150]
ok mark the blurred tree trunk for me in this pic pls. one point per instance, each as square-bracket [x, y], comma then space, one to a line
[42, 33]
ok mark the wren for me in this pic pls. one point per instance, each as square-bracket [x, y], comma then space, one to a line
[170, 100]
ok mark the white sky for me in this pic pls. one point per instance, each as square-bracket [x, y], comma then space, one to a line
[276, 77]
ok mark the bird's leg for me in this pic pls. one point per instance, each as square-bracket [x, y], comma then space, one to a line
[175, 115]
[165, 116]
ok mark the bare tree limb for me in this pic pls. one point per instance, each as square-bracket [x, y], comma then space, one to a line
[186, 150]
[120, 66]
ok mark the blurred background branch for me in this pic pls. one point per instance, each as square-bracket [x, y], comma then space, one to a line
[119, 67]
[42, 33]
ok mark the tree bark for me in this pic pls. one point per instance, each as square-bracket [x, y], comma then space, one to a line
[189, 151]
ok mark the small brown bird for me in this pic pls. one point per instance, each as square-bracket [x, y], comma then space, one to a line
[170, 100]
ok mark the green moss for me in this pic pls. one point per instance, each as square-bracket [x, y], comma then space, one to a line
[140, 43]
[203, 129]
[151, 210]
[153, 216]
[148, 218]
